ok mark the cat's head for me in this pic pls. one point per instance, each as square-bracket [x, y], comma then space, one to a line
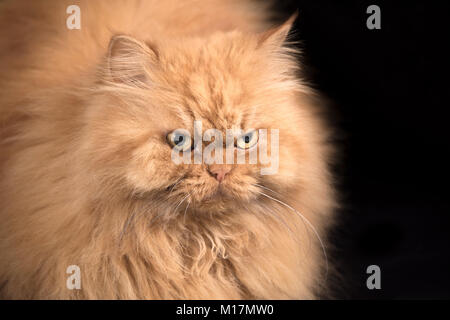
[155, 95]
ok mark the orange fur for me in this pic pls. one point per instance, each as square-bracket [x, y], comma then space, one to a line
[86, 174]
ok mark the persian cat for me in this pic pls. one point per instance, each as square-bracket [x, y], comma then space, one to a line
[88, 129]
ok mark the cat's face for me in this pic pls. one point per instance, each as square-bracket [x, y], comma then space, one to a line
[232, 81]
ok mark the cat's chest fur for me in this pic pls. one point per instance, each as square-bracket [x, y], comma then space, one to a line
[227, 259]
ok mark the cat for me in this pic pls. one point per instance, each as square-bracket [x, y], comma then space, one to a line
[87, 119]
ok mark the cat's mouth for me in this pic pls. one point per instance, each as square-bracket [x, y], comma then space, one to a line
[190, 193]
[217, 195]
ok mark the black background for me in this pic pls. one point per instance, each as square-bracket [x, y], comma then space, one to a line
[389, 100]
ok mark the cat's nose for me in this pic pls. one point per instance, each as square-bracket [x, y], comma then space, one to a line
[219, 171]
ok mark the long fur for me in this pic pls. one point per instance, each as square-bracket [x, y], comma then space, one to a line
[86, 177]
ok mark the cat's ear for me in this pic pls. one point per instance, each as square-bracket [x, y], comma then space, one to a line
[128, 59]
[277, 36]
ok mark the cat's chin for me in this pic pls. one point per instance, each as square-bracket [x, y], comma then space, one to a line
[222, 197]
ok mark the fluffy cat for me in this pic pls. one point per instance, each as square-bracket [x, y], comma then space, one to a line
[86, 176]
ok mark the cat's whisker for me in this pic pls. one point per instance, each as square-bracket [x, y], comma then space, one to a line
[166, 211]
[175, 184]
[185, 210]
[277, 193]
[182, 200]
[306, 227]
[264, 187]
[280, 219]
[307, 222]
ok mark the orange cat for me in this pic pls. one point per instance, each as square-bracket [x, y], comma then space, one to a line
[87, 119]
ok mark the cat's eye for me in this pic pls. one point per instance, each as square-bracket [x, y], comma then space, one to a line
[247, 140]
[179, 140]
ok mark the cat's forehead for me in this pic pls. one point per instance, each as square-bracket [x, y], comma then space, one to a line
[220, 101]
[216, 85]
[221, 105]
